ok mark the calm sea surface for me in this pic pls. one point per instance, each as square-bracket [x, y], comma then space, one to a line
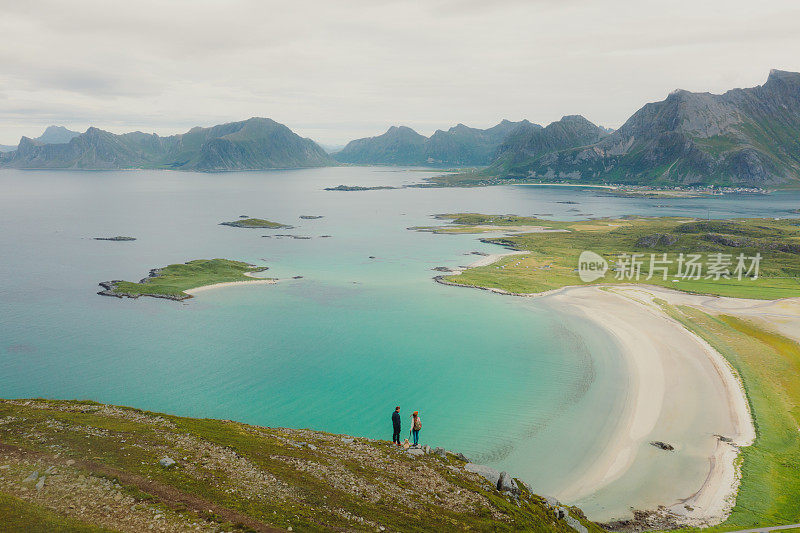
[505, 380]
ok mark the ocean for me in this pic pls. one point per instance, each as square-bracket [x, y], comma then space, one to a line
[508, 381]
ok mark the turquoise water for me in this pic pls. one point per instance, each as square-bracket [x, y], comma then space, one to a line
[507, 381]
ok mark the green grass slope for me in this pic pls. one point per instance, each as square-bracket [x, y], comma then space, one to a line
[102, 467]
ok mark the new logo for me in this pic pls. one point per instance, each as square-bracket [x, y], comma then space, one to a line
[591, 266]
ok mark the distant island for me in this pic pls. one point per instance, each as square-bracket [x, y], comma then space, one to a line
[256, 223]
[179, 281]
[117, 238]
[253, 144]
[358, 188]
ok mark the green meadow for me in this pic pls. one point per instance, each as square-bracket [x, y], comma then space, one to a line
[656, 251]
[173, 280]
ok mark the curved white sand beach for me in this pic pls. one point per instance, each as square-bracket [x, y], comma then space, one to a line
[256, 281]
[493, 258]
[681, 391]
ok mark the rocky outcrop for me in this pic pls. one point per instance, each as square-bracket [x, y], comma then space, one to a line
[490, 474]
[657, 239]
[506, 484]
[109, 289]
[663, 445]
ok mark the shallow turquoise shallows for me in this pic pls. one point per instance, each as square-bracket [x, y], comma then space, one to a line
[335, 350]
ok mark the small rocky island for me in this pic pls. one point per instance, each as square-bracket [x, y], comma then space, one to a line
[172, 281]
[255, 223]
[311, 217]
[117, 238]
[358, 188]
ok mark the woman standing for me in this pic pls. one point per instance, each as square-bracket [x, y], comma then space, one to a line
[416, 425]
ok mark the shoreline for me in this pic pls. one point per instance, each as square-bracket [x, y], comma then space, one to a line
[581, 185]
[667, 365]
[485, 260]
[710, 499]
[255, 281]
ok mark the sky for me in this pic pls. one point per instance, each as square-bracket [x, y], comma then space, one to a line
[334, 71]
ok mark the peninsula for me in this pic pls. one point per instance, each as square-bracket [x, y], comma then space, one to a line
[555, 246]
[181, 281]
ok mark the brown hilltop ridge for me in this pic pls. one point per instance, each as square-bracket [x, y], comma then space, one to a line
[83, 466]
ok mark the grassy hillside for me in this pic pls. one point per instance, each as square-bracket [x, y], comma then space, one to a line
[101, 468]
[553, 259]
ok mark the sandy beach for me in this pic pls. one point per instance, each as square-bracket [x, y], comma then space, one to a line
[680, 391]
[491, 258]
[519, 229]
[256, 281]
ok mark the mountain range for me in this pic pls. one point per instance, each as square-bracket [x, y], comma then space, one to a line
[400, 145]
[256, 143]
[744, 137]
[529, 142]
[52, 135]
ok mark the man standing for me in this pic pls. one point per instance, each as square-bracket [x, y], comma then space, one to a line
[396, 425]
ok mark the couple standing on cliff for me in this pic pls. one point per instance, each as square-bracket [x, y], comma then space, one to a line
[416, 425]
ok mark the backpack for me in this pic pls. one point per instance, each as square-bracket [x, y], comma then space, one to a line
[417, 424]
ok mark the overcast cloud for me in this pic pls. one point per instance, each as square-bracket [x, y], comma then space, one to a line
[335, 71]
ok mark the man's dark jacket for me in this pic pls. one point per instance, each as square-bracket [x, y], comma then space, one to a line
[396, 421]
